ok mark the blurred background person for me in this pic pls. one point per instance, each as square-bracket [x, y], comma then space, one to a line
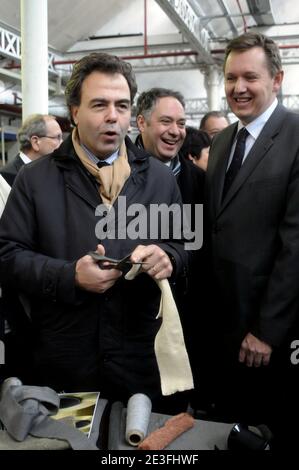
[4, 192]
[196, 147]
[214, 122]
[39, 135]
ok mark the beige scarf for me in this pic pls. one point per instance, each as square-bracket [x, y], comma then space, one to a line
[111, 178]
[171, 354]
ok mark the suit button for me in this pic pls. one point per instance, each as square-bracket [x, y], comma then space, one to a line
[49, 288]
[215, 229]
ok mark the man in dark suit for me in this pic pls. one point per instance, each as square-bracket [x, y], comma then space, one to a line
[161, 120]
[39, 135]
[253, 238]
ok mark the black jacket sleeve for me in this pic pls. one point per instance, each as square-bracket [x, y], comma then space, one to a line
[22, 266]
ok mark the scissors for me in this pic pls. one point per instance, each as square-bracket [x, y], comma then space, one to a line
[123, 264]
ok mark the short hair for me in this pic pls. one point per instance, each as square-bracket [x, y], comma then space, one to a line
[249, 40]
[99, 62]
[35, 124]
[148, 99]
[217, 114]
[194, 142]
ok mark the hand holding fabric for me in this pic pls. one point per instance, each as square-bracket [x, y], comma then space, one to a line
[157, 263]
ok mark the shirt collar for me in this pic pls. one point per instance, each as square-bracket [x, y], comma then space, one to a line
[25, 158]
[95, 159]
[174, 163]
[255, 127]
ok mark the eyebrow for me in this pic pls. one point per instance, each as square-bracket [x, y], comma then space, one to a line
[104, 100]
[165, 116]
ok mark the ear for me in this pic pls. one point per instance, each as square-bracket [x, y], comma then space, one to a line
[74, 113]
[35, 143]
[277, 81]
[140, 122]
[191, 158]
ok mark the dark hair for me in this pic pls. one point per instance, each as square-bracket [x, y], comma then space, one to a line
[218, 114]
[148, 99]
[35, 124]
[194, 142]
[248, 41]
[100, 62]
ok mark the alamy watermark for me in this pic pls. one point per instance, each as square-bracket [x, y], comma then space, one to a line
[2, 353]
[295, 354]
[151, 222]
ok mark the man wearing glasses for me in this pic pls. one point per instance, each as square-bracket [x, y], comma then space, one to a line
[39, 135]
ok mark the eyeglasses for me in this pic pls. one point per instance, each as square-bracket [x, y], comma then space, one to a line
[54, 137]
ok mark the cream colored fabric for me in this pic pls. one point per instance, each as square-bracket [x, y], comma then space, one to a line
[172, 357]
[111, 178]
[4, 192]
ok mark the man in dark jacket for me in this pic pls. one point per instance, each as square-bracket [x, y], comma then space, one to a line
[39, 135]
[161, 121]
[93, 329]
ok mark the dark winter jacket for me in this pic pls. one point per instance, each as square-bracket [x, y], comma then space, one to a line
[83, 340]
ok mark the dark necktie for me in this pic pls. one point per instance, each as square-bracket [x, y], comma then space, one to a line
[237, 159]
[101, 163]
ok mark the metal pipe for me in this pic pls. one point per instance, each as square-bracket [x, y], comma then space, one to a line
[2, 141]
[145, 28]
[136, 57]
[243, 16]
[283, 46]
[152, 56]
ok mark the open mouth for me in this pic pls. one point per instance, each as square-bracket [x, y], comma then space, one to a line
[110, 134]
[169, 142]
[242, 100]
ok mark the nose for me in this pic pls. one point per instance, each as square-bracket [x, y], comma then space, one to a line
[111, 114]
[240, 85]
[174, 129]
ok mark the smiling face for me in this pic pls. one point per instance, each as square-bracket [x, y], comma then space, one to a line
[249, 87]
[163, 132]
[103, 115]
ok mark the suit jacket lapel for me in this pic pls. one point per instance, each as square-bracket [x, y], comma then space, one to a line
[262, 145]
[218, 165]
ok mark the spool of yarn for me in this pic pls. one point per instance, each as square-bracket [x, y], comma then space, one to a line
[138, 415]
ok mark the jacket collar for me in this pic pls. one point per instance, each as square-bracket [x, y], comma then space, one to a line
[81, 182]
[65, 156]
[256, 154]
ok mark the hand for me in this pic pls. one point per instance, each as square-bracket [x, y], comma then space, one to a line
[254, 352]
[90, 277]
[157, 262]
